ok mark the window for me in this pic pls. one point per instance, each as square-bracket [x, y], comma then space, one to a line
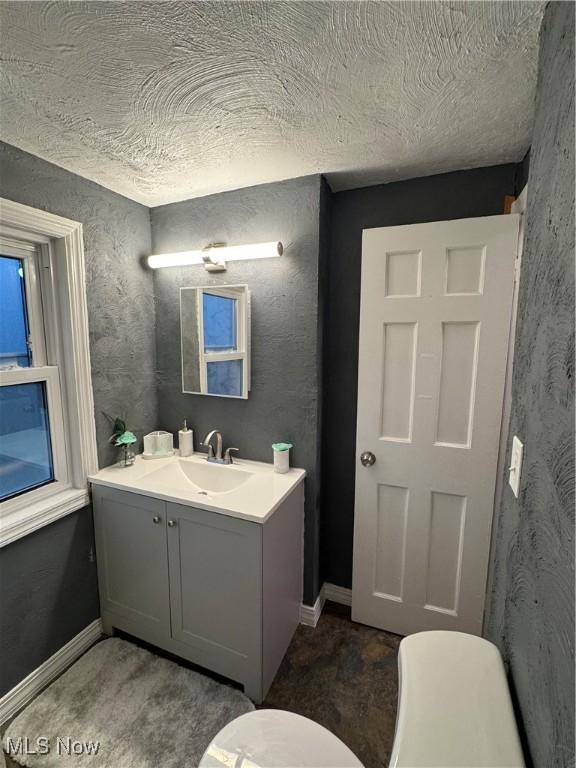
[47, 435]
[32, 449]
[26, 459]
[14, 329]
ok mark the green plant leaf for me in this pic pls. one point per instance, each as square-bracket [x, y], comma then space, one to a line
[126, 438]
[118, 429]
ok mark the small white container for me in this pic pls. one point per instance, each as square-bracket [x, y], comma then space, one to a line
[186, 441]
[281, 458]
[158, 445]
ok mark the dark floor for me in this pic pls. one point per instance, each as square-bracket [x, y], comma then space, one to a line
[341, 674]
[344, 676]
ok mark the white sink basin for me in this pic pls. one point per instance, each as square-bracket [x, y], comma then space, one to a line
[247, 489]
[199, 477]
[214, 478]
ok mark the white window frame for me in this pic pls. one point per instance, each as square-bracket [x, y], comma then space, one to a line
[53, 253]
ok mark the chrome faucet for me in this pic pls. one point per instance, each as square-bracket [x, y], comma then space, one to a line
[206, 443]
[217, 457]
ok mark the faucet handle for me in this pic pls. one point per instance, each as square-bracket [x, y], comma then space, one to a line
[210, 449]
[228, 457]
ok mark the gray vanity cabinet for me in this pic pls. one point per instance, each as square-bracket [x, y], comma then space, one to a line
[219, 591]
[215, 582]
[132, 563]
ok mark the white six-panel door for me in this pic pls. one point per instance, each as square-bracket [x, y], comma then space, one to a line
[434, 323]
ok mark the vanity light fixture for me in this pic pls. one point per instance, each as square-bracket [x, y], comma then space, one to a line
[215, 255]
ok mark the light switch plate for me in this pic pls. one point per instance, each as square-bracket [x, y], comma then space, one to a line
[515, 465]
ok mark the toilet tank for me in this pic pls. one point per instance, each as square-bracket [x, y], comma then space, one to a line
[454, 707]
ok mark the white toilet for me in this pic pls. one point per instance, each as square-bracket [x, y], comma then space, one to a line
[454, 711]
[272, 738]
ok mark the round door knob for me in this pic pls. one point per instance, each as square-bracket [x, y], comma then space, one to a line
[156, 519]
[171, 523]
[367, 459]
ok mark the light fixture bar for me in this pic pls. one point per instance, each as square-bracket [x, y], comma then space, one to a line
[217, 254]
[181, 259]
[255, 251]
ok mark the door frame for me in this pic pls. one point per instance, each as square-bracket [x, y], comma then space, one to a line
[519, 206]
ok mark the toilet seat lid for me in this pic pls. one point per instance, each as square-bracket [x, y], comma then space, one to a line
[272, 738]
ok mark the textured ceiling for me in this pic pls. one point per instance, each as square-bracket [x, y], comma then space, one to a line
[163, 101]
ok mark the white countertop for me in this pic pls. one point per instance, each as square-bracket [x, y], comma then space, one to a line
[255, 499]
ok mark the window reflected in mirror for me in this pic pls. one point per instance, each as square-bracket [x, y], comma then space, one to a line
[219, 319]
[215, 331]
[225, 378]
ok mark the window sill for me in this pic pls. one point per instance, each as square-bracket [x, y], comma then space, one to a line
[20, 522]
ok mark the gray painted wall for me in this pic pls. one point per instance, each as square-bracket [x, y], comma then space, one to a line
[48, 593]
[120, 292]
[284, 402]
[48, 587]
[531, 608]
[434, 198]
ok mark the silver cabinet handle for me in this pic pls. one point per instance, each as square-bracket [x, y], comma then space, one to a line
[171, 523]
[367, 459]
[156, 519]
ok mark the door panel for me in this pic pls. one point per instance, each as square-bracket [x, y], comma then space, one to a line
[398, 364]
[132, 557]
[458, 364]
[434, 325]
[391, 540]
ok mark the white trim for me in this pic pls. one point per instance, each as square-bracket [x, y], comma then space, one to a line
[34, 220]
[71, 279]
[310, 614]
[34, 308]
[19, 522]
[336, 594]
[27, 689]
[69, 283]
[12, 237]
[518, 206]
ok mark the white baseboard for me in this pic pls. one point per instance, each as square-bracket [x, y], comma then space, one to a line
[25, 691]
[337, 594]
[310, 614]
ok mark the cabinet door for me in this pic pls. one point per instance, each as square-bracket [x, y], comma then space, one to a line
[215, 588]
[132, 558]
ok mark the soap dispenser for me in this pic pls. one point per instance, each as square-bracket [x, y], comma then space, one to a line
[186, 440]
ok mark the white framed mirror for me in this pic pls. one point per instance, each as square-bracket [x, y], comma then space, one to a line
[215, 340]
